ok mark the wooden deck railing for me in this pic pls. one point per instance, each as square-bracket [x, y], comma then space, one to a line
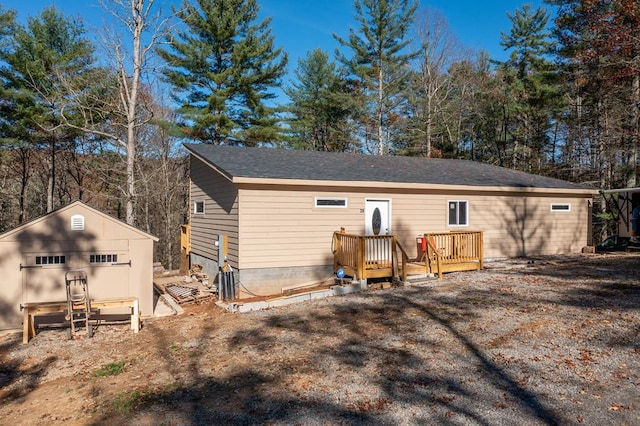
[364, 256]
[401, 263]
[454, 251]
[382, 256]
[346, 253]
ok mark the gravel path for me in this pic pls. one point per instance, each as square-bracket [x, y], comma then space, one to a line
[528, 342]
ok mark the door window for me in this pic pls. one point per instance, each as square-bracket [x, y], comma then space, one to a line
[376, 221]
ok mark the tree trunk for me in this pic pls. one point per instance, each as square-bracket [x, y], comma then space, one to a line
[633, 154]
[24, 180]
[429, 123]
[131, 102]
[131, 184]
[381, 144]
[51, 179]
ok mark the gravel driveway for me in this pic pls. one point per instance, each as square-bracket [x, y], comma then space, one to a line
[527, 342]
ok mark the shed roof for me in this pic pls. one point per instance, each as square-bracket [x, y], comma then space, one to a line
[266, 163]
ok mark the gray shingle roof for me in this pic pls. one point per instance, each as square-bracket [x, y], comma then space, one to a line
[324, 166]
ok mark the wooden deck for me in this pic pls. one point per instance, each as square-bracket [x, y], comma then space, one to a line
[382, 256]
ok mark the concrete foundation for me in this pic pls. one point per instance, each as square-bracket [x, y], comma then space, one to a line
[270, 281]
[337, 290]
[263, 282]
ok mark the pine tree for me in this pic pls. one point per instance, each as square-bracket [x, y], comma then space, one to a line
[530, 95]
[36, 60]
[321, 105]
[380, 55]
[599, 51]
[222, 67]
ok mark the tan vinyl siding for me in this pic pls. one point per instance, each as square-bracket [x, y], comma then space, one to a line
[512, 225]
[283, 228]
[526, 226]
[220, 197]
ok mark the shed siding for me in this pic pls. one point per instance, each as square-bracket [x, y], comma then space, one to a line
[282, 228]
[141, 273]
[51, 235]
[11, 285]
[221, 211]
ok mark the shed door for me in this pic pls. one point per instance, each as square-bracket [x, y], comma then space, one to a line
[43, 276]
[108, 274]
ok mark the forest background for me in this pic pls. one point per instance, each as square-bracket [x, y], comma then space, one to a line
[101, 117]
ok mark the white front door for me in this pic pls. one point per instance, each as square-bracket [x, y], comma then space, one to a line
[377, 217]
[378, 222]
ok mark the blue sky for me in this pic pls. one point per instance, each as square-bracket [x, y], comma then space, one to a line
[299, 26]
[302, 25]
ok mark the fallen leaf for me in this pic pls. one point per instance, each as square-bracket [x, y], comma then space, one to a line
[617, 407]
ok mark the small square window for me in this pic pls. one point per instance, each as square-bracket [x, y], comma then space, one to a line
[198, 207]
[458, 213]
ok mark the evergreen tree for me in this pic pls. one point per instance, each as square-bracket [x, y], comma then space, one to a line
[530, 95]
[222, 67]
[380, 55]
[599, 53]
[321, 105]
[477, 99]
[36, 60]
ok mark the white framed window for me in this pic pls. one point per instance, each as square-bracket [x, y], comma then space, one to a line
[331, 202]
[458, 213]
[198, 207]
[51, 260]
[560, 207]
[103, 258]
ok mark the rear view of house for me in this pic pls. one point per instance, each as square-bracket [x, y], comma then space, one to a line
[35, 256]
[279, 209]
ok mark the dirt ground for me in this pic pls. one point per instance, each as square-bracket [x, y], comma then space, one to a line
[529, 341]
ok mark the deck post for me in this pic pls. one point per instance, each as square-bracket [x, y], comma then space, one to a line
[394, 258]
[481, 248]
[185, 249]
[361, 258]
[336, 251]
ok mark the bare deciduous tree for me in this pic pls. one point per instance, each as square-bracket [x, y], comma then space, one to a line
[440, 49]
[119, 117]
